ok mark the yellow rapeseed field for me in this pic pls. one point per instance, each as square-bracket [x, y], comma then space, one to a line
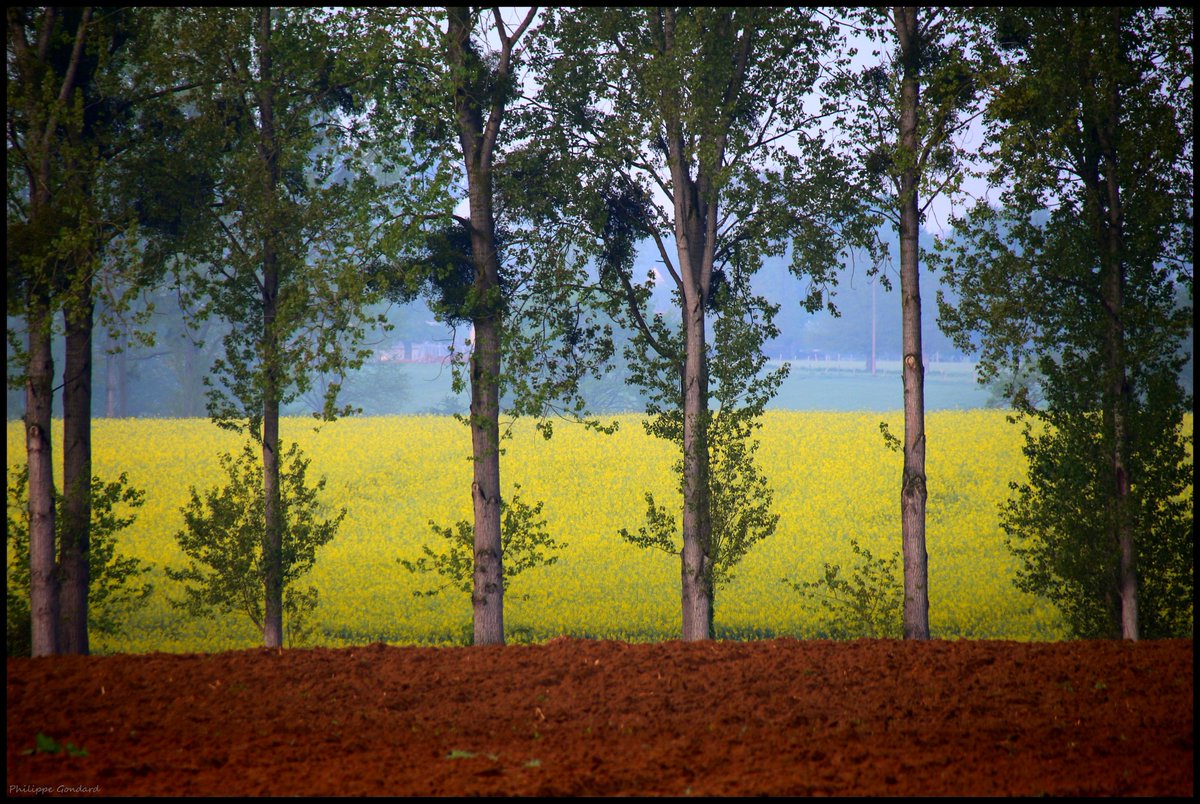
[833, 476]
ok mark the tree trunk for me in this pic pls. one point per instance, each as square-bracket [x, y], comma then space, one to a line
[871, 360]
[477, 141]
[29, 68]
[272, 508]
[273, 526]
[487, 598]
[695, 217]
[192, 380]
[712, 609]
[77, 475]
[913, 492]
[43, 575]
[1110, 226]
[1119, 393]
[696, 569]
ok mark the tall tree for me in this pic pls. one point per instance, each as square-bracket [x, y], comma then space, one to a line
[739, 494]
[678, 121]
[35, 111]
[56, 116]
[72, 145]
[491, 266]
[1077, 275]
[293, 219]
[104, 269]
[904, 119]
[481, 97]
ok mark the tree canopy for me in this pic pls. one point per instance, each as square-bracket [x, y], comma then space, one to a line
[1077, 275]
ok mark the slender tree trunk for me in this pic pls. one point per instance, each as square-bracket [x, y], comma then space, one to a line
[272, 519]
[272, 508]
[192, 381]
[477, 141]
[487, 597]
[712, 610]
[694, 216]
[273, 526]
[697, 560]
[43, 575]
[29, 68]
[1111, 222]
[1119, 394]
[39, 412]
[77, 475]
[871, 362]
[116, 380]
[913, 492]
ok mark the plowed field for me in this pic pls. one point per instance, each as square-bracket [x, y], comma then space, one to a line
[580, 717]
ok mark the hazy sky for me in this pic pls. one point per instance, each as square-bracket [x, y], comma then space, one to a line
[940, 208]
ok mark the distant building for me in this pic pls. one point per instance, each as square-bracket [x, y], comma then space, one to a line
[415, 352]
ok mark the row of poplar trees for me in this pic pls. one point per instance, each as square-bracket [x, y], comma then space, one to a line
[285, 168]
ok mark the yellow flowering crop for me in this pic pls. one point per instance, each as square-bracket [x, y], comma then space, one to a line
[833, 476]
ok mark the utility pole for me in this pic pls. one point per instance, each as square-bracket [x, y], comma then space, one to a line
[874, 282]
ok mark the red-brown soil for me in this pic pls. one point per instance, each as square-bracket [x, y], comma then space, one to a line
[580, 717]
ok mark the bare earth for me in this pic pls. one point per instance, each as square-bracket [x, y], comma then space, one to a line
[581, 717]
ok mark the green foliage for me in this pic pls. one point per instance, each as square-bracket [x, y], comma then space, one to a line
[56, 109]
[1071, 291]
[224, 535]
[892, 442]
[293, 197]
[865, 103]
[740, 498]
[642, 98]
[76, 84]
[1051, 523]
[870, 603]
[444, 274]
[114, 582]
[45, 744]
[551, 341]
[524, 540]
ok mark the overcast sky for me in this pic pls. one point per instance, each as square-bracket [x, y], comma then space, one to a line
[941, 208]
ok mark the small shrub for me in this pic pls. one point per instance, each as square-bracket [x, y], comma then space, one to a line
[868, 604]
[525, 543]
[114, 582]
[224, 534]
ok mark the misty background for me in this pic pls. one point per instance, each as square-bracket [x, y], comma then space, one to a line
[410, 373]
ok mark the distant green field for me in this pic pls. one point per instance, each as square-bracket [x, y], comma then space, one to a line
[834, 481]
[403, 389]
[846, 386]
